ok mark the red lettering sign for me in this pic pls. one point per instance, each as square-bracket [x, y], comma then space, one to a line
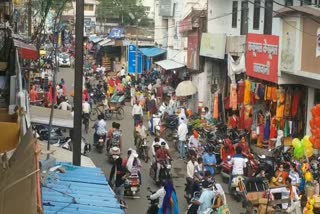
[262, 57]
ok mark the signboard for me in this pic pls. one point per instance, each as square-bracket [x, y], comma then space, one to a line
[132, 60]
[166, 8]
[193, 51]
[116, 33]
[185, 25]
[318, 43]
[213, 45]
[262, 57]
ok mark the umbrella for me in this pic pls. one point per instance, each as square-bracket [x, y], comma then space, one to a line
[186, 88]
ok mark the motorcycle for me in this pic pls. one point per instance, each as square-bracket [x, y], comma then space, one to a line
[153, 204]
[165, 170]
[56, 136]
[132, 185]
[192, 208]
[189, 187]
[237, 188]
[100, 143]
[85, 146]
[142, 149]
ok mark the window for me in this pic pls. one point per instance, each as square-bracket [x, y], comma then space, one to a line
[88, 7]
[289, 3]
[268, 10]
[234, 13]
[147, 9]
[244, 17]
[256, 15]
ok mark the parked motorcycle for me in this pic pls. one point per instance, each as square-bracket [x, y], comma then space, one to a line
[56, 135]
[132, 185]
[165, 170]
[85, 145]
[153, 204]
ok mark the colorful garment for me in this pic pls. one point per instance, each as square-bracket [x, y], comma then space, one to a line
[287, 104]
[295, 103]
[241, 117]
[266, 132]
[247, 92]
[215, 114]
[273, 128]
[241, 90]
[233, 97]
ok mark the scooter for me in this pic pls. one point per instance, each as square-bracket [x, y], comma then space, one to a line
[153, 204]
[114, 154]
[85, 146]
[132, 185]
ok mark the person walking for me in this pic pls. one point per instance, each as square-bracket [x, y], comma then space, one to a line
[117, 178]
[137, 113]
[238, 164]
[182, 135]
[170, 200]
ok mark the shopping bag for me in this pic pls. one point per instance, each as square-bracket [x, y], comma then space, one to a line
[224, 209]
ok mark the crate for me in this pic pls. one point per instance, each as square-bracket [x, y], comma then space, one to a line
[10, 130]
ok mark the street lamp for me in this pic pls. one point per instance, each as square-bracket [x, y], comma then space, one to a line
[137, 52]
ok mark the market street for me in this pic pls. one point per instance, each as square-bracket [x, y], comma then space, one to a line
[179, 167]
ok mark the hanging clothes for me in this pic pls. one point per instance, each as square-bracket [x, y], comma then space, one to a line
[295, 103]
[280, 104]
[252, 93]
[236, 67]
[233, 96]
[241, 117]
[241, 90]
[268, 93]
[273, 128]
[274, 95]
[256, 91]
[261, 91]
[267, 128]
[287, 104]
[247, 92]
[216, 106]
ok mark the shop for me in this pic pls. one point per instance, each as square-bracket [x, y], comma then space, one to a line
[262, 106]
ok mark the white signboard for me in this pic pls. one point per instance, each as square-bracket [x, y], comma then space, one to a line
[213, 45]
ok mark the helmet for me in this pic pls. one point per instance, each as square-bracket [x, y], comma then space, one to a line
[163, 144]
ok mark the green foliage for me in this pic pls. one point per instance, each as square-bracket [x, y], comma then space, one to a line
[121, 9]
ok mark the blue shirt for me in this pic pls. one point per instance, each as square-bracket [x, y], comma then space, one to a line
[209, 159]
[205, 200]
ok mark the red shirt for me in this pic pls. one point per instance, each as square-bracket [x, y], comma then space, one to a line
[233, 122]
[162, 154]
[33, 95]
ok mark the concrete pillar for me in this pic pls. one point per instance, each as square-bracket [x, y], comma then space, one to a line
[310, 104]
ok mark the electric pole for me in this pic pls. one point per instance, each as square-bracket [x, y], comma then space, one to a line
[29, 18]
[78, 73]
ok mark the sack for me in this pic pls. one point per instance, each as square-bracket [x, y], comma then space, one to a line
[224, 209]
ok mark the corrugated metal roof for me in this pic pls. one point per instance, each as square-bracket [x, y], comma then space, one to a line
[78, 190]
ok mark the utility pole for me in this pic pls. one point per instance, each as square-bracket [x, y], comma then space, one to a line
[78, 73]
[29, 18]
[137, 52]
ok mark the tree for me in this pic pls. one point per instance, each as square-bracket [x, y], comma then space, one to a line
[121, 9]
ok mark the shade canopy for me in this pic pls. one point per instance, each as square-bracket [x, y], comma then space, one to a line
[152, 52]
[186, 88]
[169, 64]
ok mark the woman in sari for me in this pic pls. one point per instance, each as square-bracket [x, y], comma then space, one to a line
[170, 201]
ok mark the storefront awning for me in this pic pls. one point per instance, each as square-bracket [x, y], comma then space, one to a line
[169, 64]
[107, 42]
[41, 115]
[152, 52]
[26, 51]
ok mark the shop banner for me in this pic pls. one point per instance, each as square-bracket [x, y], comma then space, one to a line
[213, 45]
[262, 57]
[193, 51]
[132, 60]
[318, 43]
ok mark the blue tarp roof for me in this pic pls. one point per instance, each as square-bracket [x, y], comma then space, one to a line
[151, 52]
[79, 190]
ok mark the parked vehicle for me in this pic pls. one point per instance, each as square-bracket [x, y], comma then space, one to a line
[85, 145]
[56, 135]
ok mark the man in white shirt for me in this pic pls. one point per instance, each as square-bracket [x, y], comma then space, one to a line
[160, 194]
[64, 105]
[86, 107]
[157, 141]
[191, 167]
[238, 164]
[137, 113]
[122, 73]
[182, 135]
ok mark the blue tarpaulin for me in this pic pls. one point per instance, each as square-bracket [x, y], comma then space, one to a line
[152, 52]
[78, 190]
